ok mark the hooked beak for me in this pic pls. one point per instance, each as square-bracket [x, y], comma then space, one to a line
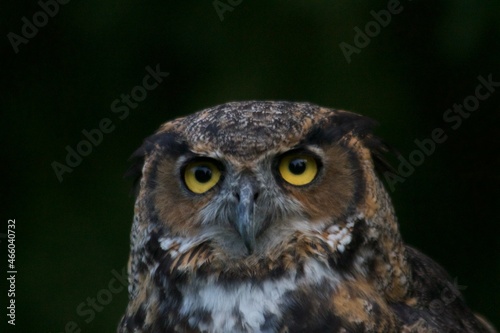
[245, 223]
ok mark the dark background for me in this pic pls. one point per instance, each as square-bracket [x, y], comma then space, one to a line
[71, 235]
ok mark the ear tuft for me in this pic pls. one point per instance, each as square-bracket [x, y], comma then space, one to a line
[170, 144]
[347, 123]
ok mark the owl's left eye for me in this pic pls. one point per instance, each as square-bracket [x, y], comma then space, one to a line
[201, 176]
[298, 169]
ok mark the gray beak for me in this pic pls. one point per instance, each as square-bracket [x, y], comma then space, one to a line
[245, 224]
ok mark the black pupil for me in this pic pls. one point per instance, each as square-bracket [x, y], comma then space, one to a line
[297, 166]
[203, 174]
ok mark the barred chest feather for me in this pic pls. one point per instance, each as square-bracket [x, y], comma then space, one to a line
[250, 306]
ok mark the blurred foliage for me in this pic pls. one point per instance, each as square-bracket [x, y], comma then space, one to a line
[71, 235]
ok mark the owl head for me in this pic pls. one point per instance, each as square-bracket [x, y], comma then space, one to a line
[250, 189]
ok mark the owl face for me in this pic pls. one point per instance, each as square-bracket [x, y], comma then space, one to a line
[247, 181]
[242, 206]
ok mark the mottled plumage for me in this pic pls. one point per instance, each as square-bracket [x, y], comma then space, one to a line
[269, 217]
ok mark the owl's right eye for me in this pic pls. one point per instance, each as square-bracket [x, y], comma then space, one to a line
[298, 169]
[201, 176]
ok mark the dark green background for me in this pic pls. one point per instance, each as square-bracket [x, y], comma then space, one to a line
[72, 234]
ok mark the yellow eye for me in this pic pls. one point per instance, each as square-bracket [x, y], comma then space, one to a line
[201, 176]
[298, 169]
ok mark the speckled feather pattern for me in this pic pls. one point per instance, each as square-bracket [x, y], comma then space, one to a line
[247, 129]
[329, 256]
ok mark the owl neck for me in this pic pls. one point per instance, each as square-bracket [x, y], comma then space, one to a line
[383, 237]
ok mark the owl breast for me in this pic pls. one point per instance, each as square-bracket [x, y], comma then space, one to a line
[250, 306]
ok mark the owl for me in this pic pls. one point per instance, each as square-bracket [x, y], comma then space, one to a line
[271, 217]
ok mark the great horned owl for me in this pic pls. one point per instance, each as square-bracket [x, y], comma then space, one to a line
[269, 217]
